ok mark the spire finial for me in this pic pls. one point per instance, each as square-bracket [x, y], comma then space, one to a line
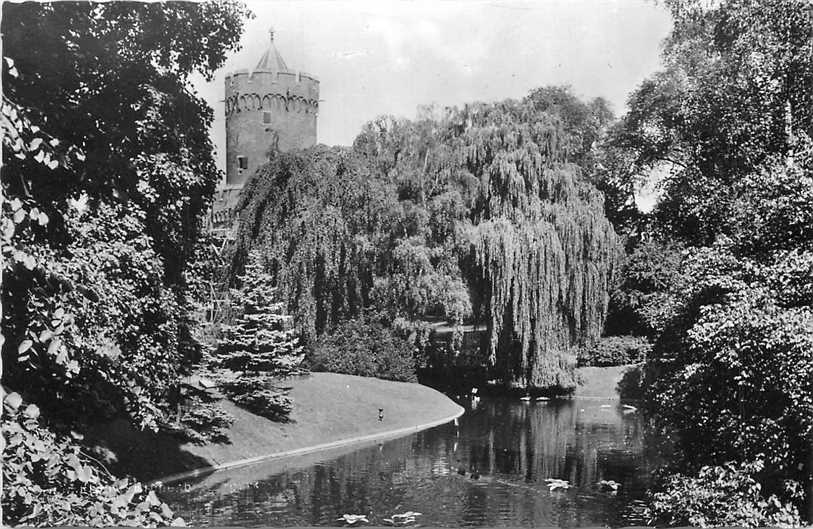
[271, 33]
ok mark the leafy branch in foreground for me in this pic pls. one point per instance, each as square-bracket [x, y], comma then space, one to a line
[48, 480]
[720, 496]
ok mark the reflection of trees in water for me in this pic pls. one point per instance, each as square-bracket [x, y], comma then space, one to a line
[559, 440]
[356, 483]
[513, 447]
[535, 442]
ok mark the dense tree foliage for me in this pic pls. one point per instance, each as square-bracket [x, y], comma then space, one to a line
[205, 272]
[737, 89]
[309, 211]
[732, 369]
[110, 80]
[107, 170]
[647, 272]
[47, 480]
[585, 123]
[103, 329]
[473, 212]
[725, 288]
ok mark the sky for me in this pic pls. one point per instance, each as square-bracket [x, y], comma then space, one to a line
[388, 57]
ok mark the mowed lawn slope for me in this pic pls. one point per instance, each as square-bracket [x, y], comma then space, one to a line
[600, 382]
[328, 407]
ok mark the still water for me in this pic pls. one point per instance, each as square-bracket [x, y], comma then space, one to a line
[488, 470]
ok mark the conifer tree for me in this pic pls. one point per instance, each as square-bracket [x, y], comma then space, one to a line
[260, 346]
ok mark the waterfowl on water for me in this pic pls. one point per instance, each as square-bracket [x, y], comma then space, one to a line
[608, 485]
[402, 519]
[350, 519]
[461, 469]
[557, 484]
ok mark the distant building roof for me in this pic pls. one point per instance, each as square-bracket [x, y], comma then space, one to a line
[271, 59]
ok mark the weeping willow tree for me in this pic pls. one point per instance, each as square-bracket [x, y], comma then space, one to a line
[463, 212]
[313, 216]
[546, 284]
[541, 244]
[344, 230]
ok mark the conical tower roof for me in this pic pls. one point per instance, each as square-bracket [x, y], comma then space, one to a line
[271, 59]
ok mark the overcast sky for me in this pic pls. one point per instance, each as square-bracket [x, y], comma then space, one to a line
[375, 58]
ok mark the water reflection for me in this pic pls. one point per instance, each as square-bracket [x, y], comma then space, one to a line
[489, 470]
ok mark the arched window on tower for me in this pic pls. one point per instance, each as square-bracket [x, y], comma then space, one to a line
[242, 163]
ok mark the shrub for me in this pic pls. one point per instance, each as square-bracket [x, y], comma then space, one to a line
[732, 371]
[48, 481]
[367, 348]
[202, 421]
[727, 495]
[615, 351]
[259, 395]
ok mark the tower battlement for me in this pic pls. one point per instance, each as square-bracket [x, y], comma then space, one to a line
[251, 90]
[268, 108]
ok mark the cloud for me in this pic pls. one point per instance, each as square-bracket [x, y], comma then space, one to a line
[377, 58]
[428, 36]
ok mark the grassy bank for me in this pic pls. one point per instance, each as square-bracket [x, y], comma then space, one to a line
[599, 382]
[327, 408]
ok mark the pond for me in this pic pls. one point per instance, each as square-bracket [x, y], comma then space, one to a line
[490, 469]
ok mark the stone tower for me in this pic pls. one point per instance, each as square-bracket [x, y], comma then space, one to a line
[267, 108]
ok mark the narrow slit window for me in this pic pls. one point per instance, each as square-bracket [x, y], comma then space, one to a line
[266, 117]
[242, 162]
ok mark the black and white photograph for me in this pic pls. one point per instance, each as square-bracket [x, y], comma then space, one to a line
[407, 263]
